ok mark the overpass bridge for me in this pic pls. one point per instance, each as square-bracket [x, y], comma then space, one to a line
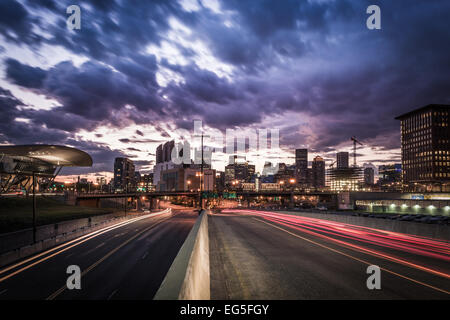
[286, 197]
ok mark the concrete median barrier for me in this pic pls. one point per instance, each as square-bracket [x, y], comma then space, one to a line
[189, 275]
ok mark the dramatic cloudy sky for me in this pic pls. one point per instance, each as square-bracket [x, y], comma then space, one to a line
[139, 72]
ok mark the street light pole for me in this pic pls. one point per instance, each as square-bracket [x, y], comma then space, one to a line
[201, 180]
[34, 207]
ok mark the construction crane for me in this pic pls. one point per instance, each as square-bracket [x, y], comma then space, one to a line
[355, 141]
[331, 165]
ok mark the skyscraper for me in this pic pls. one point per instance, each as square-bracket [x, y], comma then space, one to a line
[163, 160]
[301, 165]
[425, 142]
[318, 173]
[124, 175]
[167, 150]
[369, 176]
[238, 171]
[159, 154]
[342, 160]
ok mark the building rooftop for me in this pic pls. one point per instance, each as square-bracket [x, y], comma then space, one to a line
[422, 109]
[50, 154]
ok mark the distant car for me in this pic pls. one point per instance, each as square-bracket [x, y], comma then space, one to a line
[322, 208]
[146, 211]
[393, 217]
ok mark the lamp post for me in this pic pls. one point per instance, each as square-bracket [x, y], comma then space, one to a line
[291, 202]
[201, 180]
[34, 207]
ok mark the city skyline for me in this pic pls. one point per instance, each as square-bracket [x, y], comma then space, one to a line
[311, 70]
[208, 154]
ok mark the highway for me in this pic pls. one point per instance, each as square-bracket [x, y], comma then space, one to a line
[125, 261]
[268, 255]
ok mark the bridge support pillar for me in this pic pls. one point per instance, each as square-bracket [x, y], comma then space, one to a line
[291, 201]
[154, 203]
[138, 203]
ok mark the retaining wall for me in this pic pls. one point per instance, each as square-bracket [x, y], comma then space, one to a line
[416, 228]
[18, 245]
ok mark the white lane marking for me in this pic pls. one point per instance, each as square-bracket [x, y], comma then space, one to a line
[112, 294]
[145, 255]
[69, 255]
[82, 238]
[119, 234]
[95, 264]
[100, 245]
[3, 291]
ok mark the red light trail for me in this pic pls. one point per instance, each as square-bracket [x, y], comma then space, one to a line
[326, 229]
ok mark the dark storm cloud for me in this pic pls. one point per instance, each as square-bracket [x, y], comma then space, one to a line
[208, 87]
[126, 140]
[24, 75]
[90, 93]
[16, 24]
[59, 119]
[140, 163]
[102, 156]
[114, 28]
[18, 132]
[315, 58]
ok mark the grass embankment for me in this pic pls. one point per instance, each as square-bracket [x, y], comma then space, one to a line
[17, 213]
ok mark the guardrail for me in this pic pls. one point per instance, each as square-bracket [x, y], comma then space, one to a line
[189, 275]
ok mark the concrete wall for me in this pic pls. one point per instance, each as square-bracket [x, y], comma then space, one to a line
[18, 245]
[17, 239]
[189, 275]
[415, 228]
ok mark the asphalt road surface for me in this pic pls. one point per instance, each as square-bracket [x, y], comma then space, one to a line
[267, 255]
[128, 261]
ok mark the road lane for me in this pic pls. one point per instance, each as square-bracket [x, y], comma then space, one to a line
[253, 257]
[138, 269]
[110, 256]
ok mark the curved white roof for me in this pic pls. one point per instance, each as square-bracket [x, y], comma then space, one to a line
[60, 156]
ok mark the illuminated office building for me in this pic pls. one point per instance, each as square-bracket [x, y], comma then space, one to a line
[425, 143]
